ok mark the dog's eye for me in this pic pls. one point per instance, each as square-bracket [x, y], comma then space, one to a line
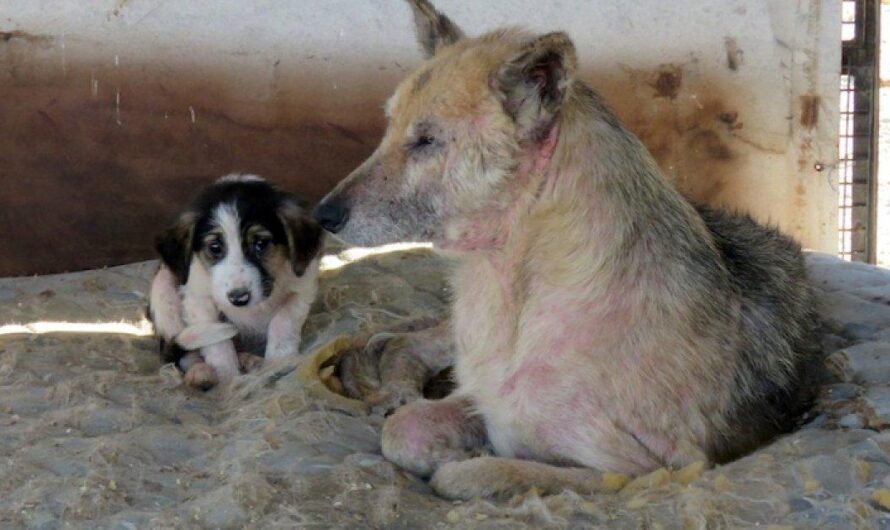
[215, 248]
[421, 143]
[424, 141]
[261, 244]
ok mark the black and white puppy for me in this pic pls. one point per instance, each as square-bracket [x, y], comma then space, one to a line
[239, 264]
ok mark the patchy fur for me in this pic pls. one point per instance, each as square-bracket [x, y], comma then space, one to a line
[600, 321]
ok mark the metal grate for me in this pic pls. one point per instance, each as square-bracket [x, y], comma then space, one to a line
[857, 182]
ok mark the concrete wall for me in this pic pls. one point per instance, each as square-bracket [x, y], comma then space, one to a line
[113, 111]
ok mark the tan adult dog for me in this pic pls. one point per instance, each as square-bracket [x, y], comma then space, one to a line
[601, 322]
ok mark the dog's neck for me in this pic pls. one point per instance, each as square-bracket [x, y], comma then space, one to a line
[584, 179]
[488, 231]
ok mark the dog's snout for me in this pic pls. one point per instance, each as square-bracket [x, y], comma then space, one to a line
[239, 297]
[332, 215]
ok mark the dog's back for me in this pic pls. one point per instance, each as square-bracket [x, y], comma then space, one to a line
[768, 272]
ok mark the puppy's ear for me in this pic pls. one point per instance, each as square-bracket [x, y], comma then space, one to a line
[532, 83]
[304, 235]
[175, 246]
[434, 30]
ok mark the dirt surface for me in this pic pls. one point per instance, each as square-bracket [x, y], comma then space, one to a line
[95, 434]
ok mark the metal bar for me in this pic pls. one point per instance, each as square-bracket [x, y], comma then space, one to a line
[873, 35]
[857, 142]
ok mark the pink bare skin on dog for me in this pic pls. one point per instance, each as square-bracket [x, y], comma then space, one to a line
[600, 320]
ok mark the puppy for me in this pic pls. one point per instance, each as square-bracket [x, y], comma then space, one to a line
[241, 262]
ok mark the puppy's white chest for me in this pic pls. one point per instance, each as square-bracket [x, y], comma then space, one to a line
[251, 321]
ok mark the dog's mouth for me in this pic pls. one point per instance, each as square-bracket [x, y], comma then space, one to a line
[246, 298]
[371, 220]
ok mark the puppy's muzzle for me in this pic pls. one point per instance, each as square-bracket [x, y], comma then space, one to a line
[239, 297]
[332, 215]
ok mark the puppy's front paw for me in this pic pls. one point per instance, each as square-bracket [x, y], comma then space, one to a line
[227, 370]
[249, 362]
[201, 376]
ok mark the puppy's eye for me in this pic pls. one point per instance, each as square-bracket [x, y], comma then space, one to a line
[215, 248]
[261, 244]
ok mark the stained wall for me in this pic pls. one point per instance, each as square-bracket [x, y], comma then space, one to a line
[112, 112]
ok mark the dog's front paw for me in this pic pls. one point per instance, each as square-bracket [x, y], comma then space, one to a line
[483, 476]
[201, 376]
[249, 362]
[388, 399]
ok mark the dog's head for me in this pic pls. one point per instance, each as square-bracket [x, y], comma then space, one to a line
[240, 235]
[464, 131]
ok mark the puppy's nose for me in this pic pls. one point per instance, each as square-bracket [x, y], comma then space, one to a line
[332, 215]
[239, 297]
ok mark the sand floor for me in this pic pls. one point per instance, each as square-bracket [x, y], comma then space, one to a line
[95, 434]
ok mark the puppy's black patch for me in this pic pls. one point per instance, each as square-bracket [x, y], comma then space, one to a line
[283, 218]
[257, 203]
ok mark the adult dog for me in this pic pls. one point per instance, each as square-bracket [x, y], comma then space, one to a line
[601, 322]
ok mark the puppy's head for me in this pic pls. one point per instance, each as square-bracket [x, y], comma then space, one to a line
[461, 129]
[240, 235]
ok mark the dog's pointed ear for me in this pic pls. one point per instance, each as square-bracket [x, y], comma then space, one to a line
[175, 246]
[434, 30]
[532, 84]
[304, 235]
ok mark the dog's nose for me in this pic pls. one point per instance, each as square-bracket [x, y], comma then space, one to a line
[332, 215]
[239, 297]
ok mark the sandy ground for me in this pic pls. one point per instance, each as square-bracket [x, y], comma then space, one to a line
[95, 434]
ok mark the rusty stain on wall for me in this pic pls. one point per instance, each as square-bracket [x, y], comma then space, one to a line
[6, 36]
[691, 130]
[108, 186]
[800, 195]
[667, 81]
[731, 119]
[809, 110]
[103, 146]
[102, 158]
[734, 54]
[119, 6]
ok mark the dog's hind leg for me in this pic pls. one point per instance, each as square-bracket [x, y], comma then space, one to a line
[424, 435]
[407, 363]
[249, 362]
[165, 313]
[165, 305]
[359, 368]
[489, 476]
